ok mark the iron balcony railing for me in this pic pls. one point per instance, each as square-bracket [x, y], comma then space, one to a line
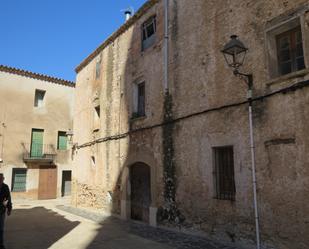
[39, 152]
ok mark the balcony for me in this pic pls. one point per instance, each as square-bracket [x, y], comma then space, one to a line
[39, 153]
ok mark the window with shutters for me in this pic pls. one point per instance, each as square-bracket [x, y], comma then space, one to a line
[39, 98]
[224, 173]
[62, 140]
[19, 178]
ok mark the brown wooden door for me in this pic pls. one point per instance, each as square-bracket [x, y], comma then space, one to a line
[47, 183]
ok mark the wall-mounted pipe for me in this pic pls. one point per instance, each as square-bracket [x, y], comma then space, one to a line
[166, 46]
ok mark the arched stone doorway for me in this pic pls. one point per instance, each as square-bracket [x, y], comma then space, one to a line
[140, 179]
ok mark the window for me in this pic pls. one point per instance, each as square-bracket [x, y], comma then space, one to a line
[139, 100]
[62, 140]
[96, 118]
[97, 111]
[224, 173]
[39, 98]
[290, 51]
[19, 178]
[93, 161]
[284, 43]
[148, 33]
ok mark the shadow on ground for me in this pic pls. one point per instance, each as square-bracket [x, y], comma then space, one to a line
[118, 234]
[35, 228]
[114, 233]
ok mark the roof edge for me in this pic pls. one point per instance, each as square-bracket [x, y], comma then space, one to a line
[38, 76]
[146, 6]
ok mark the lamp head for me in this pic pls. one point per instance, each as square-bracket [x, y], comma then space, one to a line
[234, 52]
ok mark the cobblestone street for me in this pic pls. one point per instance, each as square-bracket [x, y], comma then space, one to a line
[52, 224]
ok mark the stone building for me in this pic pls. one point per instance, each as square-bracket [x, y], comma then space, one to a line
[161, 130]
[35, 114]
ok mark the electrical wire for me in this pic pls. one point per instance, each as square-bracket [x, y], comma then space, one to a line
[293, 88]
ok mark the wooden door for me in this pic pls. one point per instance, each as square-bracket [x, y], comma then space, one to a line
[140, 192]
[47, 183]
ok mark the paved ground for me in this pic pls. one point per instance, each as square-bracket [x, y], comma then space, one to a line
[54, 224]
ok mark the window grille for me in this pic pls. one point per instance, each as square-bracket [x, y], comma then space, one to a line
[224, 173]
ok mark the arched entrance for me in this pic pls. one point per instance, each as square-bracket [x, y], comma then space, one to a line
[140, 191]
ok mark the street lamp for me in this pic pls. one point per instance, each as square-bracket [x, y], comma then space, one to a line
[70, 134]
[234, 53]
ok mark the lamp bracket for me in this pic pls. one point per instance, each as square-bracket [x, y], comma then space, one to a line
[247, 77]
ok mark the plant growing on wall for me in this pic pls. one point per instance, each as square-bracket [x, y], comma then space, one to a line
[169, 212]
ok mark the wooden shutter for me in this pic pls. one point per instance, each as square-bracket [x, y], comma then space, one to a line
[37, 143]
[19, 180]
[62, 140]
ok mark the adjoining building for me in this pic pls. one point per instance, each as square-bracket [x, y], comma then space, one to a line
[35, 116]
[161, 131]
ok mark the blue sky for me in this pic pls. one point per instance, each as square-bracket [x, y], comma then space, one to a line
[53, 36]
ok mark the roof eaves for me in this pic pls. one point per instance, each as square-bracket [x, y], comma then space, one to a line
[122, 29]
[38, 76]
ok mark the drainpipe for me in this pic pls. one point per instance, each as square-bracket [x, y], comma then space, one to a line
[249, 81]
[2, 126]
[166, 48]
[252, 148]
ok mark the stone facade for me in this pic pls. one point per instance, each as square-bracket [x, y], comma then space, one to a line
[19, 116]
[205, 108]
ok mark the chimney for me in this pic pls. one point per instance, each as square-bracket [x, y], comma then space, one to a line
[128, 14]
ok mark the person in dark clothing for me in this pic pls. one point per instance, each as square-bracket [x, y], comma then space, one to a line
[5, 206]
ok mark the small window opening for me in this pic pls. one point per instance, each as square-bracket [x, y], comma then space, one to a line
[93, 160]
[39, 98]
[97, 111]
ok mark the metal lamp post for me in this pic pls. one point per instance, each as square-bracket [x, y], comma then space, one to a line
[234, 53]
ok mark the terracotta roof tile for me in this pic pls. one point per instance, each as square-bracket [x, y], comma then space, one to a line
[38, 76]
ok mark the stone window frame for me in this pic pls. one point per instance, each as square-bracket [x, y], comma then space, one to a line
[280, 25]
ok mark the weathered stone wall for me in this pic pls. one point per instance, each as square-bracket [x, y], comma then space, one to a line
[180, 152]
[123, 65]
[18, 117]
[278, 123]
